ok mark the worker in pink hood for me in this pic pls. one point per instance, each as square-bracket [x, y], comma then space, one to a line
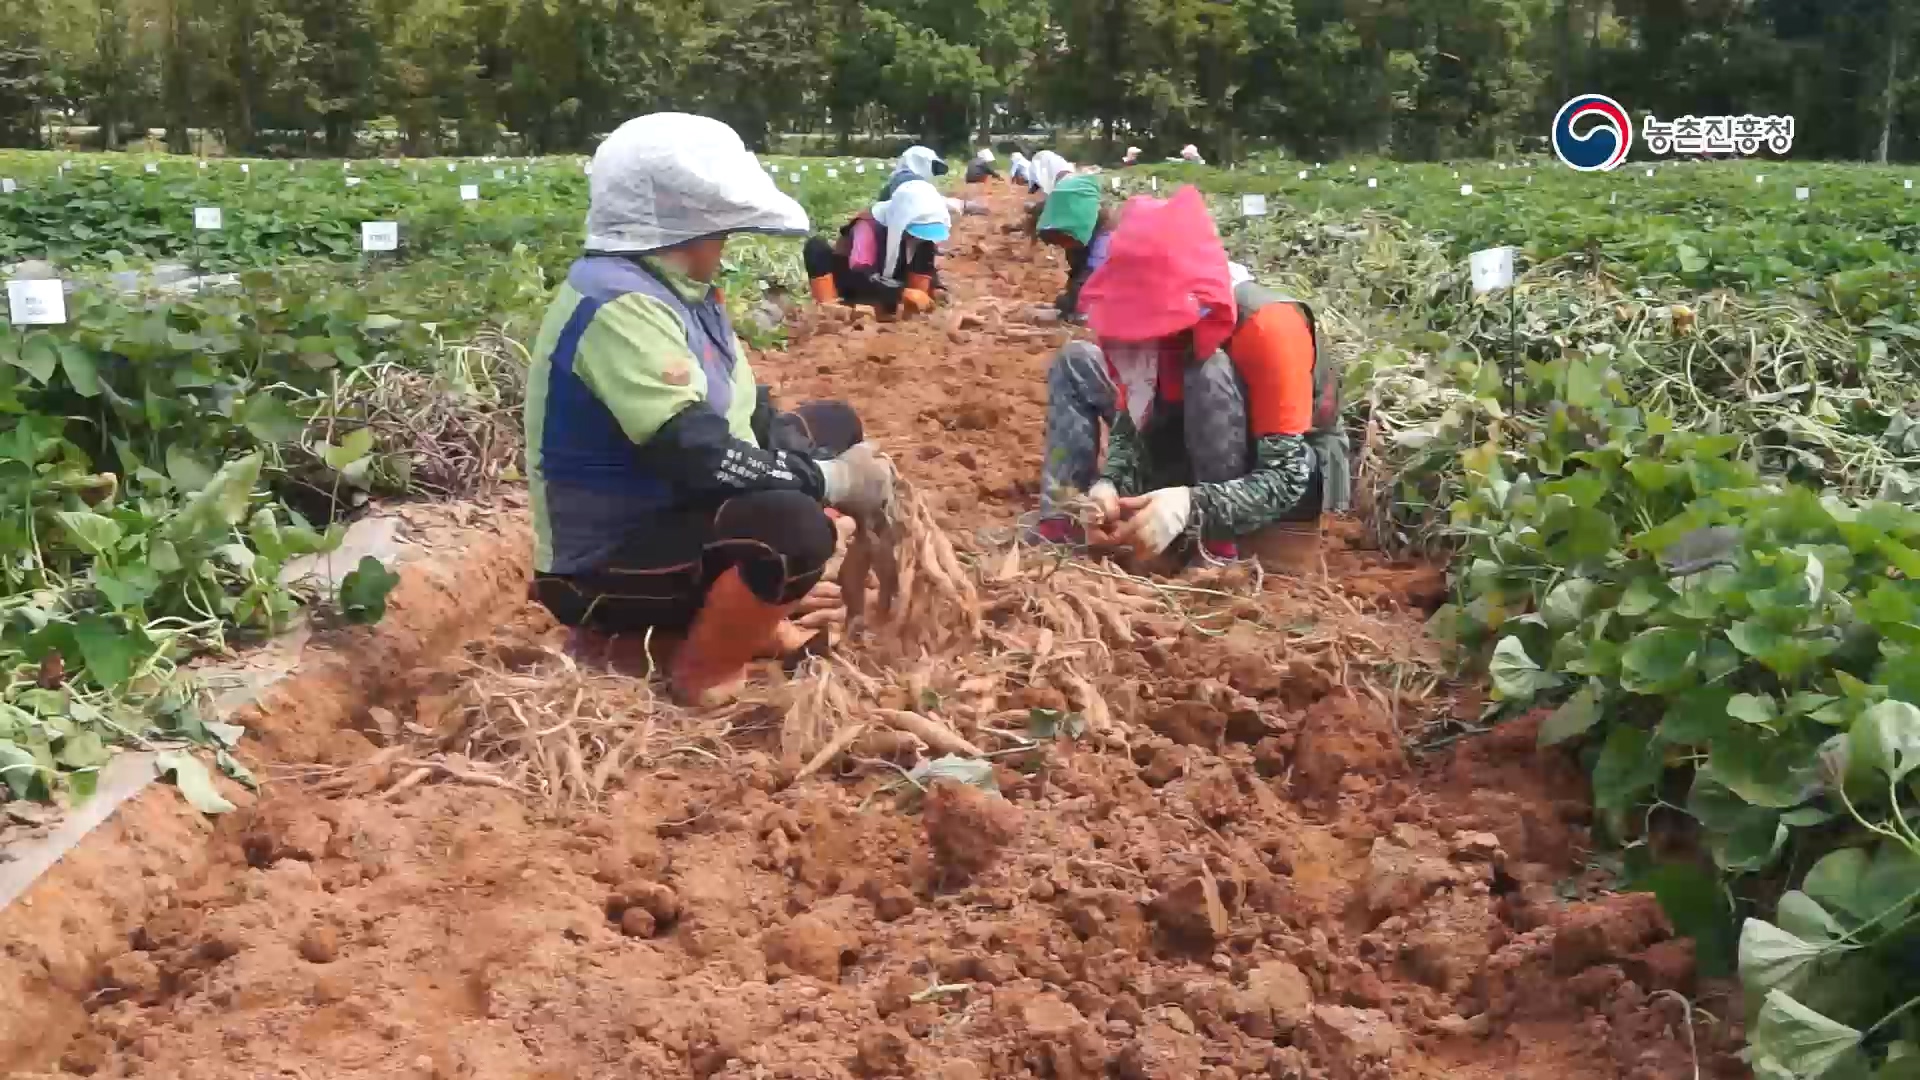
[1221, 411]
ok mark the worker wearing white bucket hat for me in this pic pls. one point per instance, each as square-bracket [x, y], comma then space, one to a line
[667, 492]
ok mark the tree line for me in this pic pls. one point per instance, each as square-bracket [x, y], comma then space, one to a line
[1416, 79]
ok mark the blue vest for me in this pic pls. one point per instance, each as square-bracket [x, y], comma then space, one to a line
[598, 492]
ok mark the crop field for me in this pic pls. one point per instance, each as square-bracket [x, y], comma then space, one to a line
[1589, 751]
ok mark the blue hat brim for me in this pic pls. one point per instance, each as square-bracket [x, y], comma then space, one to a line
[931, 230]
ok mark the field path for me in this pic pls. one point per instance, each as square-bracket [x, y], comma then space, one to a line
[1252, 875]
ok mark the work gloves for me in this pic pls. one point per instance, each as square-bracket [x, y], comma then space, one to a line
[860, 482]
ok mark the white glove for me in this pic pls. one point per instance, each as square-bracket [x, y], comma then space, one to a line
[859, 482]
[1106, 499]
[1155, 520]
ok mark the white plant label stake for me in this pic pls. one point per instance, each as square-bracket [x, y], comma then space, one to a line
[353, 181]
[379, 236]
[860, 170]
[1303, 174]
[1760, 179]
[36, 303]
[1373, 182]
[469, 192]
[1154, 183]
[793, 178]
[1116, 183]
[208, 218]
[1909, 185]
[7, 187]
[1492, 269]
[1649, 174]
[1466, 189]
[1801, 194]
[499, 174]
[152, 168]
[246, 169]
[449, 166]
[1253, 206]
[833, 174]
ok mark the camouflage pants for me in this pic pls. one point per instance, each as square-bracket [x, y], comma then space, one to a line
[1081, 397]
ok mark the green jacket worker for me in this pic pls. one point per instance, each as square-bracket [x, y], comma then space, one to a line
[668, 493]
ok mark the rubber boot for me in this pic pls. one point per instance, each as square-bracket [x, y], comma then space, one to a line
[733, 629]
[824, 290]
[920, 283]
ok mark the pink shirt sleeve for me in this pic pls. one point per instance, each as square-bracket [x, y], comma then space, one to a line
[864, 254]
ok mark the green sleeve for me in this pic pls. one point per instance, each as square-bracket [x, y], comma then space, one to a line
[634, 358]
[1127, 466]
[1281, 472]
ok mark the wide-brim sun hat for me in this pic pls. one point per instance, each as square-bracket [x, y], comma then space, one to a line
[666, 178]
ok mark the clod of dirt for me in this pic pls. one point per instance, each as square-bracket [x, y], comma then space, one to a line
[966, 829]
[893, 903]
[1351, 1042]
[1191, 723]
[1277, 1000]
[655, 899]
[1059, 1042]
[1606, 931]
[320, 944]
[1402, 872]
[1191, 913]
[810, 945]
[283, 829]
[1161, 1053]
[130, 976]
[1340, 738]
[881, 1052]
[638, 922]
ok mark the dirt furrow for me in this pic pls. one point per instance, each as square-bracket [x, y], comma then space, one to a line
[1250, 877]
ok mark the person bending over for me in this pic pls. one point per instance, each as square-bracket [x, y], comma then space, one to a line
[886, 256]
[1221, 411]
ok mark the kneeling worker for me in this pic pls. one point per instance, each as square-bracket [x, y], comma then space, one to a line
[667, 491]
[886, 256]
[1222, 412]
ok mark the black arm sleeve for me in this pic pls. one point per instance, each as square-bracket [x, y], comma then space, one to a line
[697, 453]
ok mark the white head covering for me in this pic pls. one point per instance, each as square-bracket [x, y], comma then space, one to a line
[1190, 152]
[1048, 168]
[984, 157]
[1133, 155]
[922, 162]
[915, 202]
[666, 178]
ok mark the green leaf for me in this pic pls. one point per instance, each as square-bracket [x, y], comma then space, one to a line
[193, 780]
[189, 473]
[1791, 1038]
[1763, 769]
[1803, 917]
[1045, 724]
[1753, 709]
[1835, 881]
[82, 750]
[77, 361]
[38, 357]
[1696, 717]
[217, 507]
[21, 770]
[92, 533]
[1696, 905]
[1627, 769]
[363, 592]
[1887, 738]
[1515, 676]
[1575, 716]
[1567, 603]
[356, 444]
[109, 652]
[1660, 660]
[1771, 958]
[231, 766]
[973, 772]
[269, 419]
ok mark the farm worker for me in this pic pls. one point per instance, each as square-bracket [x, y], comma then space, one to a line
[1049, 169]
[917, 163]
[1191, 155]
[885, 256]
[981, 167]
[1021, 170]
[667, 491]
[1132, 157]
[1073, 220]
[1222, 412]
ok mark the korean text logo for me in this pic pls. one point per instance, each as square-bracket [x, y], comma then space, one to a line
[1592, 133]
[1742, 135]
